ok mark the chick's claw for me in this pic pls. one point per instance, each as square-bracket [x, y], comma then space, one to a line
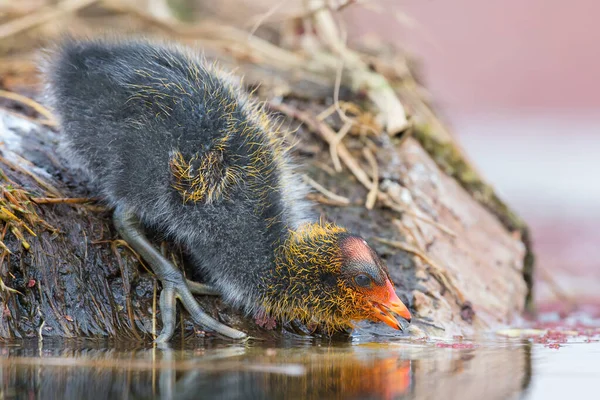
[183, 293]
[167, 311]
[179, 290]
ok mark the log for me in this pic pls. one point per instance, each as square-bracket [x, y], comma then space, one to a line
[453, 261]
[460, 258]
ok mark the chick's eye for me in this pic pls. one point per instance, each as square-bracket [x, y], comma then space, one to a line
[362, 280]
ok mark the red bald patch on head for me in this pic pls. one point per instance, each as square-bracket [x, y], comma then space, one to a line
[356, 249]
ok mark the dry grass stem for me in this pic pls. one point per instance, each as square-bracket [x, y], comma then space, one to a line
[327, 193]
[334, 146]
[5, 288]
[63, 200]
[374, 191]
[217, 34]
[323, 115]
[377, 87]
[319, 198]
[327, 134]
[40, 109]
[44, 122]
[406, 231]
[46, 185]
[122, 243]
[325, 168]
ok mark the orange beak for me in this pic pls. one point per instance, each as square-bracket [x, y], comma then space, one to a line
[383, 310]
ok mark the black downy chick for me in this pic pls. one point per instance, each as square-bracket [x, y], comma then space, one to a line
[173, 143]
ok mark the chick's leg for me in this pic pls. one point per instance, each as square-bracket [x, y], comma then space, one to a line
[173, 282]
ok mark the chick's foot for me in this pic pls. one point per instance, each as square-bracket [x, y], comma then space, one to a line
[175, 286]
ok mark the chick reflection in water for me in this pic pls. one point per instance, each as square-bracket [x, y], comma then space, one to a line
[304, 371]
[367, 371]
[308, 374]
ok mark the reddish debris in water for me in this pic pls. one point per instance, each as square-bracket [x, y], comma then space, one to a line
[456, 345]
[580, 323]
[552, 337]
[31, 283]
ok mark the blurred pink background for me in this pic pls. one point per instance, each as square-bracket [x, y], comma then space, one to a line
[519, 82]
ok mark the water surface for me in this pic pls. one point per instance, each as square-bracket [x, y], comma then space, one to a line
[530, 364]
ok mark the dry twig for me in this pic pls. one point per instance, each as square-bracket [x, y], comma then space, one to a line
[327, 193]
[46, 185]
[378, 89]
[334, 146]
[63, 200]
[327, 134]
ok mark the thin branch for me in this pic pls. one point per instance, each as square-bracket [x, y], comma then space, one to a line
[324, 167]
[264, 16]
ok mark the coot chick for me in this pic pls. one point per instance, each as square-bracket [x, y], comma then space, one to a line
[173, 143]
